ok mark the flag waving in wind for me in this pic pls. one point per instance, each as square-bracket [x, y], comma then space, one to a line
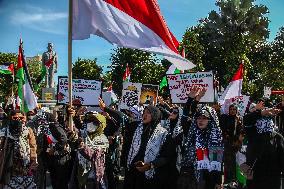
[7, 68]
[234, 88]
[136, 24]
[25, 92]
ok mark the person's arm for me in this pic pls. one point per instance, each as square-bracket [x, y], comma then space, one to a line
[251, 118]
[33, 146]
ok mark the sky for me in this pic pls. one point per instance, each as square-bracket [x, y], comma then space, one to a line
[39, 22]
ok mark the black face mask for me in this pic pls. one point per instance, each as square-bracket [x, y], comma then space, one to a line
[15, 127]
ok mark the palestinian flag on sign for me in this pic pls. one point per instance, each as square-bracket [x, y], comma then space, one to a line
[25, 90]
[126, 75]
[7, 68]
[44, 69]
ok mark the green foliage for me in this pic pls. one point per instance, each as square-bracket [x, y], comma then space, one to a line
[142, 66]
[86, 69]
[225, 38]
[194, 50]
[34, 67]
[6, 81]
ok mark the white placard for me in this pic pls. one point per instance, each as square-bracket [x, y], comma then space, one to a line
[130, 95]
[180, 86]
[86, 92]
[241, 102]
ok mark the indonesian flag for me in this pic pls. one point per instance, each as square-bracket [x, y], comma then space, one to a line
[7, 68]
[234, 89]
[126, 75]
[136, 24]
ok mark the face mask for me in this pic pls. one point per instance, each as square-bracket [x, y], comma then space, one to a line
[31, 117]
[91, 127]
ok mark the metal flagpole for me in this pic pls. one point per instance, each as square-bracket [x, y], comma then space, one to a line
[70, 60]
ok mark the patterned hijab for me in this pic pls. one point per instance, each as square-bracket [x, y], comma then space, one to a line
[204, 147]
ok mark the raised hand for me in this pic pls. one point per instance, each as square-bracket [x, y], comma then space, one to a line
[194, 92]
[102, 104]
[201, 94]
[161, 100]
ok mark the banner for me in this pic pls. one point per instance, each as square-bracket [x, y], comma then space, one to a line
[242, 103]
[149, 94]
[84, 92]
[180, 86]
[131, 93]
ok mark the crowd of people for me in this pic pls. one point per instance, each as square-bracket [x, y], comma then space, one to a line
[166, 146]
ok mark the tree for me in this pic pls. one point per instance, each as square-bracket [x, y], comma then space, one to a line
[229, 36]
[194, 50]
[6, 81]
[86, 69]
[143, 67]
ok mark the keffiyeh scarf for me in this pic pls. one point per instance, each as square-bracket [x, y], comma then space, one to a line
[204, 148]
[152, 149]
[265, 125]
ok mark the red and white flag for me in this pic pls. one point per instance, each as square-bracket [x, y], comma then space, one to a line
[132, 24]
[234, 88]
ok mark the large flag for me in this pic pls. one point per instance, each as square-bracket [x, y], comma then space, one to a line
[172, 70]
[7, 68]
[126, 75]
[136, 24]
[234, 88]
[25, 92]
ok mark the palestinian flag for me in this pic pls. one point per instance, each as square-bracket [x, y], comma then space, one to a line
[126, 75]
[172, 70]
[25, 91]
[7, 68]
[44, 71]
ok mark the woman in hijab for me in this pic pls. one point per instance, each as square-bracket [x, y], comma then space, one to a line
[232, 129]
[203, 151]
[144, 157]
[89, 166]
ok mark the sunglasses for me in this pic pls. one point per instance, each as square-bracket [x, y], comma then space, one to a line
[174, 111]
[18, 118]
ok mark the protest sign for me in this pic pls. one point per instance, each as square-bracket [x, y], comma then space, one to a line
[84, 92]
[149, 94]
[180, 86]
[131, 93]
[241, 102]
[109, 97]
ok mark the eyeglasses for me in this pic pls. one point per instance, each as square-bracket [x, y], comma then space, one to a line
[18, 117]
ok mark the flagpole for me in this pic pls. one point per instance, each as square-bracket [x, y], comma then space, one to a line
[70, 60]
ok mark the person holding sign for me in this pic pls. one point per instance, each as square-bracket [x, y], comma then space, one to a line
[203, 149]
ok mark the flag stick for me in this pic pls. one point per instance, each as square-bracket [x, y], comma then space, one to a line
[70, 60]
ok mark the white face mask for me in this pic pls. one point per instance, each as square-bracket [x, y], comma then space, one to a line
[91, 127]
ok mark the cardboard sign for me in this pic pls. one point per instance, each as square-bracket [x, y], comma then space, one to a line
[149, 94]
[242, 103]
[84, 92]
[180, 86]
[131, 93]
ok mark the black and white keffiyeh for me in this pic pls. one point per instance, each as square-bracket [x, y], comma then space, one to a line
[204, 148]
[265, 125]
[152, 149]
[178, 128]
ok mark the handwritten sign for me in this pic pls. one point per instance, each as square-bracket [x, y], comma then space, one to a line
[240, 101]
[130, 95]
[180, 86]
[84, 92]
